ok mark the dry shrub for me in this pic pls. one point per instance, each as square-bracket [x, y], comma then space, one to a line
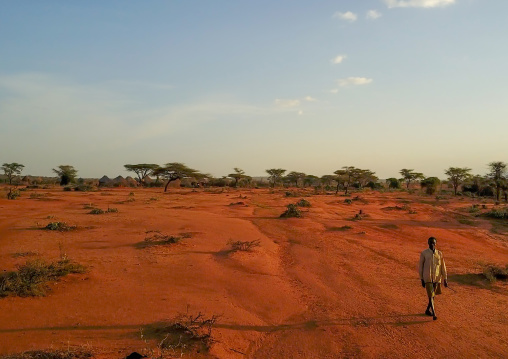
[493, 273]
[70, 353]
[244, 246]
[185, 334]
[156, 238]
[96, 211]
[31, 279]
[13, 194]
[291, 211]
[59, 226]
[303, 203]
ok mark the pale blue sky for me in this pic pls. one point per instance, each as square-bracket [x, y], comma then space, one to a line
[307, 86]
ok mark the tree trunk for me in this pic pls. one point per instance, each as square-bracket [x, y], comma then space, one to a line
[167, 184]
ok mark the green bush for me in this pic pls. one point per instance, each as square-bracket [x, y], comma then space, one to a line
[497, 213]
[112, 210]
[31, 279]
[59, 226]
[291, 211]
[303, 203]
[13, 194]
[96, 211]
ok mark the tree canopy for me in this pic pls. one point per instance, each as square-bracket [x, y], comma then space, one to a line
[410, 176]
[66, 173]
[295, 177]
[237, 175]
[12, 169]
[142, 170]
[275, 175]
[498, 175]
[174, 171]
[457, 175]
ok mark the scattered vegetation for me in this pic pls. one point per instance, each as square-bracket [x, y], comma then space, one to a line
[244, 246]
[291, 211]
[498, 213]
[32, 278]
[348, 201]
[157, 238]
[493, 273]
[13, 193]
[101, 211]
[185, 334]
[59, 226]
[96, 211]
[303, 203]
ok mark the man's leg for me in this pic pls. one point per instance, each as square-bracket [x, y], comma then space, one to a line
[432, 301]
[429, 307]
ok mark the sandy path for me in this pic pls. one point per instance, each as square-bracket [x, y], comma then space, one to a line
[307, 292]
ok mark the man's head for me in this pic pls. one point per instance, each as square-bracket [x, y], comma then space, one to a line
[432, 243]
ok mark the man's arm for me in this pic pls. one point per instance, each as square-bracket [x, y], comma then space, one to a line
[443, 270]
[420, 268]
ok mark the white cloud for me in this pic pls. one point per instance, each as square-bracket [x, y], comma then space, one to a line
[300, 112]
[338, 59]
[348, 16]
[287, 103]
[310, 99]
[354, 81]
[334, 90]
[419, 3]
[373, 14]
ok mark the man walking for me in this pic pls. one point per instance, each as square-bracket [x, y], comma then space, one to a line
[432, 270]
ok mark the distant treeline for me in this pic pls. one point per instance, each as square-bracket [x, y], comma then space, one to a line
[494, 183]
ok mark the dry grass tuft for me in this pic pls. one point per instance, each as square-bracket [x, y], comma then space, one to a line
[32, 278]
[185, 334]
[244, 246]
[59, 226]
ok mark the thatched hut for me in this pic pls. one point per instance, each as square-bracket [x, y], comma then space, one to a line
[105, 181]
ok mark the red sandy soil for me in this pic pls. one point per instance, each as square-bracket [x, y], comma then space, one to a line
[308, 291]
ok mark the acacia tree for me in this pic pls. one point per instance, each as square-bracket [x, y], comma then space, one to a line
[175, 170]
[410, 176]
[457, 175]
[365, 176]
[295, 177]
[12, 169]
[142, 170]
[275, 175]
[346, 177]
[310, 180]
[66, 173]
[498, 175]
[237, 175]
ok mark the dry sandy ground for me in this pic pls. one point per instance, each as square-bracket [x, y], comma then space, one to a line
[309, 290]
